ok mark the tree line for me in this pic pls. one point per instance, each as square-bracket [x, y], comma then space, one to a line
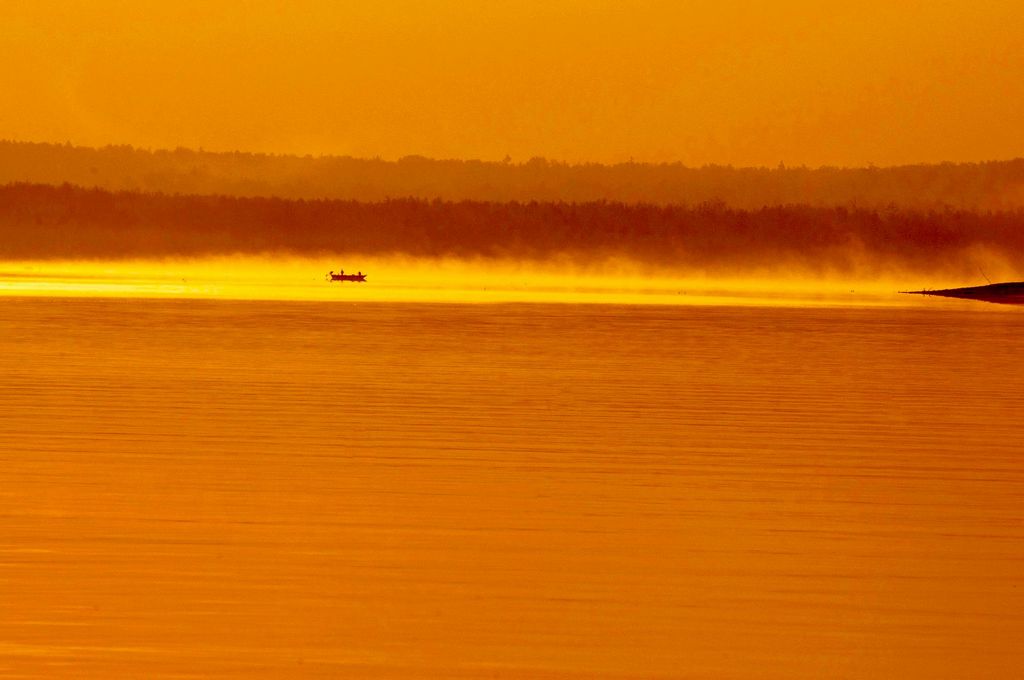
[46, 221]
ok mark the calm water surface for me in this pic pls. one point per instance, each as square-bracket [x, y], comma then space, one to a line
[245, 489]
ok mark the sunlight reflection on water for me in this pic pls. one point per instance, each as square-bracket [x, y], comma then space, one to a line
[402, 280]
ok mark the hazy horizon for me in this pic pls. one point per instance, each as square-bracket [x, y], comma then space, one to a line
[504, 159]
[991, 185]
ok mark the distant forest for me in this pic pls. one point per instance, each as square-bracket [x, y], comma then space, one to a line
[997, 185]
[44, 221]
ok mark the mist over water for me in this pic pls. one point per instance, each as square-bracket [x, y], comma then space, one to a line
[455, 280]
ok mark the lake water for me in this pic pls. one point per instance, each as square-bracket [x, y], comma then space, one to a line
[202, 488]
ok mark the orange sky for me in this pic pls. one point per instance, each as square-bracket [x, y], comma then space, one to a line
[726, 81]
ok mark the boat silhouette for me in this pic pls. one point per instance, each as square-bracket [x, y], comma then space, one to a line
[342, 276]
[1010, 293]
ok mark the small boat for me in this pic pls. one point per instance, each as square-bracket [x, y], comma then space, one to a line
[1011, 293]
[342, 276]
